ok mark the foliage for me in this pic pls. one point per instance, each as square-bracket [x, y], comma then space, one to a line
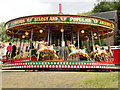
[118, 38]
[103, 7]
[3, 36]
[84, 13]
[110, 6]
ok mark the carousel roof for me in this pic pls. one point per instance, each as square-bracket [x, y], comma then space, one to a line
[108, 15]
[41, 24]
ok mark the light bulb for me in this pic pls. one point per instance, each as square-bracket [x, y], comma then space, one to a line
[26, 33]
[62, 30]
[96, 37]
[23, 36]
[41, 31]
[95, 34]
[82, 31]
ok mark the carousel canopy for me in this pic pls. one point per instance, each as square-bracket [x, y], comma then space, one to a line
[41, 24]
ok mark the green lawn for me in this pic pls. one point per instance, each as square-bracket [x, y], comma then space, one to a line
[99, 80]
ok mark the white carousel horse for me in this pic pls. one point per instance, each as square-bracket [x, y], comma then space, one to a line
[75, 51]
[46, 48]
[2, 45]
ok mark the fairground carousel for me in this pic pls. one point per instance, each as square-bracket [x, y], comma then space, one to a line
[55, 43]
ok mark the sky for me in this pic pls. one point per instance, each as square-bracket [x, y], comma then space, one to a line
[11, 9]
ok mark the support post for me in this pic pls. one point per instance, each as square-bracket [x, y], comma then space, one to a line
[88, 44]
[108, 45]
[108, 40]
[99, 39]
[31, 43]
[72, 37]
[63, 45]
[78, 40]
[11, 48]
[16, 42]
[93, 44]
[78, 43]
[31, 38]
[48, 36]
[23, 45]
[35, 45]
[28, 43]
[92, 38]
[20, 43]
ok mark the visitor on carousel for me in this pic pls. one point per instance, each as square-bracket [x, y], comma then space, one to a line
[13, 51]
[18, 51]
[26, 50]
[9, 49]
[31, 46]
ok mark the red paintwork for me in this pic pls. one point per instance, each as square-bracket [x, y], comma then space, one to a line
[60, 8]
[116, 53]
[28, 59]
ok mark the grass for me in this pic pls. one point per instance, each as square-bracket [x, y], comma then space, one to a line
[60, 79]
[99, 80]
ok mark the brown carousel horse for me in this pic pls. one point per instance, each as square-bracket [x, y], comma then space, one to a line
[46, 48]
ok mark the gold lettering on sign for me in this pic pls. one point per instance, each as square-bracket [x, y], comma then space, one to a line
[41, 19]
[53, 19]
[105, 23]
[76, 19]
[18, 22]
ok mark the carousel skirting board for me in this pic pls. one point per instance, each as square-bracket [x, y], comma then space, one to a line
[59, 64]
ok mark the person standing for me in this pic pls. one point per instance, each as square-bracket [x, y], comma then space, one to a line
[13, 51]
[26, 50]
[9, 49]
[31, 46]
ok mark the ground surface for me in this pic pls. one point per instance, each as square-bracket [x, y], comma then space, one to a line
[59, 79]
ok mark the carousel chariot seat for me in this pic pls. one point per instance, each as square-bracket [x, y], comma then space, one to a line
[33, 53]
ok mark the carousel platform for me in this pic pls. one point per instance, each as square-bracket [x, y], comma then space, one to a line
[58, 64]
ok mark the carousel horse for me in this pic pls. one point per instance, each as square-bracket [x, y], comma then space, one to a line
[92, 52]
[100, 53]
[49, 49]
[25, 55]
[75, 51]
[2, 45]
[18, 56]
[110, 53]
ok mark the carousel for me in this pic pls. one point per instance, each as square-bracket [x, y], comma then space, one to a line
[56, 42]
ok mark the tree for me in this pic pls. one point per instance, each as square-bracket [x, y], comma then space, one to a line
[110, 6]
[103, 7]
[3, 36]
